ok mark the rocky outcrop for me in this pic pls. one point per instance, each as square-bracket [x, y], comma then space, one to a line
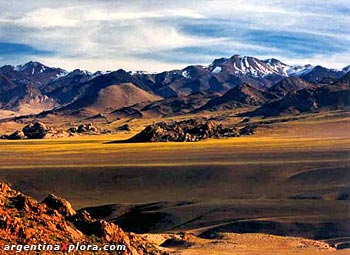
[248, 130]
[17, 135]
[23, 220]
[36, 130]
[59, 204]
[183, 131]
[88, 128]
[124, 127]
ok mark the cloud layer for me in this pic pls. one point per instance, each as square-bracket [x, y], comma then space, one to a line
[158, 35]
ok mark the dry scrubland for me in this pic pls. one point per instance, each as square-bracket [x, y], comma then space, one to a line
[290, 172]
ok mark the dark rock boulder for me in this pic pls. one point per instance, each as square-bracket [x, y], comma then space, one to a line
[245, 120]
[35, 130]
[248, 130]
[17, 135]
[124, 127]
[99, 228]
[22, 202]
[72, 130]
[175, 242]
[59, 204]
[88, 128]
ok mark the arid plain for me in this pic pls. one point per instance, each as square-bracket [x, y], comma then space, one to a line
[290, 179]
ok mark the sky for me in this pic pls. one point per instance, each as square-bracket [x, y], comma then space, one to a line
[157, 35]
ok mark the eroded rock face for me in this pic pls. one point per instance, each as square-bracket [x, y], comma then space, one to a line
[100, 228]
[24, 203]
[184, 131]
[59, 204]
[24, 220]
[36, 130]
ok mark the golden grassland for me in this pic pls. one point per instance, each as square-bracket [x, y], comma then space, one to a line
[314, 140]
[310, 132]
[252, 177]
[96, 151]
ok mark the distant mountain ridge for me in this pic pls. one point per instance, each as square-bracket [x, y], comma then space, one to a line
[33, 87]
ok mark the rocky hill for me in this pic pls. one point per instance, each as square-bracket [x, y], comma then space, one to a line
[331, 97]
[25, 221]
[290, 85]
[111, 98]
[190, 130]
[240, 96]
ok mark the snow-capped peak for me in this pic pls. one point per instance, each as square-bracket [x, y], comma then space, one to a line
[346, 69]
[299, 70]
[31, 66]
[82, 72]
[36, 68]
[278, 66]
[245, 66]
[288, 70]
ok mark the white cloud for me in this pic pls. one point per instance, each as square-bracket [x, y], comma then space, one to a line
[105, 15]
[47, 17]
[110, 34]
[110, 64]
[338, 61]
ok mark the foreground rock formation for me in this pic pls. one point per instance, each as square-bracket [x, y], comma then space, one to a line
[25, 221]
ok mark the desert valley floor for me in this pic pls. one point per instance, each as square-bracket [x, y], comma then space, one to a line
[290, 179]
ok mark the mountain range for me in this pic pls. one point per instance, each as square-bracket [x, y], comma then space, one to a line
[270, 86]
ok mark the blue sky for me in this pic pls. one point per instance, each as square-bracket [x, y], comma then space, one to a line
[161, 35]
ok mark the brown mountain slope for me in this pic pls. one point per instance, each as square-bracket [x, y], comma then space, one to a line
[307, 100]
[23, 99]
[123, 95]
[178, 105]
[112, 98]
[243, 95]
[290, 84]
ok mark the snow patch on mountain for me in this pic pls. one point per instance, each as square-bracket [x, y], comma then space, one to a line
[32, 67]
[36, 68]
[217, 69]
[346, 69]
[186, 74]
[278, 66]
[299, 70]
[61, 74]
